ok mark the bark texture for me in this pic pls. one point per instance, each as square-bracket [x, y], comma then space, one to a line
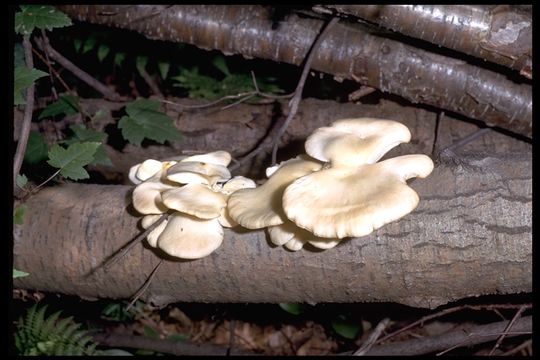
[500, 34]
[470, 235]
[347, 52]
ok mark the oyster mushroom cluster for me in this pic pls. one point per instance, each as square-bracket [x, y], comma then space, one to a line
[338, 189]
[194, 190]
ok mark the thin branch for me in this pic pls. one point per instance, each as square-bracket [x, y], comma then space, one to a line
[232, 333]
[525, 345]
[510, 324]
[295, 101]
[360, 93]
[372, 337]
[452, 310]
[81, 74]
[53, 71]
[48, 63]
[28, 111]
[150, 82]
[145, 285]
[114, 258]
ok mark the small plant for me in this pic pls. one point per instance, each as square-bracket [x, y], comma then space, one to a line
[37, 335]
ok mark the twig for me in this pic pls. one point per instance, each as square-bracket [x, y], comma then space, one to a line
[48, 63]
[510, 324]
[360, 93]
[33, 190]
[526, 344]
[452, 310]
[449, 151]
[114, 258]
[149, 81]
[372, 337]
[232, 332]
[53, 71]
[145, 285]
[295, 101]
[28, 111]
[163, 346]
[84, 76]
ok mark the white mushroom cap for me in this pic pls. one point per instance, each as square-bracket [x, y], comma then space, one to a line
[225, 219]
[342, 202]
[353, 142]
[237, 183]
[188, 237]
[146, 222]
[148, 169]
[132, 174]
[195, 199]
[260, 207]
[288, 231]
[220, 157]
[187, 172]
[146, 197]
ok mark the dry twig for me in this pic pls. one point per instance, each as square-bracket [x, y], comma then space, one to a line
[372, 337]
[510, 324]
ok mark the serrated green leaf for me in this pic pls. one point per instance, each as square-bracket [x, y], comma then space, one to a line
[66, 104]
[77, 43]
[70, 161]
[101, 157]
[83, 134]
[39, 16]
[141, 62]
[146, 121]
[119, 59]
[19, 273]
[346, 328]
[220, 63]
[36, 148]
[89, 44]
[163, 67]
[102, 52]
[18, 54]
[293, 308]
[18, 215]
[23, 78]
[21, 181]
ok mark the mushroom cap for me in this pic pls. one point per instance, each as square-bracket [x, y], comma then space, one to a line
[341, 202]
[353, 142]
[188, 237]
[153, 236]
[195, 199]
[133, 174]
[226, 220]
[284, 233]
[237, 183]
[148, 168]
[295, 244]
[220, 157]
[146, 197]
[187, 172]
[260, 207]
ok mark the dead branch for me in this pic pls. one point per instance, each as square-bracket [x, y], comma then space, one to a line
[500, 34]
[382, 63]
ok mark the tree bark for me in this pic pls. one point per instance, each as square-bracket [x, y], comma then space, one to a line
[469, 236]
[347, 52]
[500, 34]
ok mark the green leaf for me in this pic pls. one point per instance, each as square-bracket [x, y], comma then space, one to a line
[19, 273]
[70, 161]
[293, 308]
[18, 215]
[219, 62]
[144, 120]
[23, 78]
[141, 63]
[82, 134]
[178, 337]
[119, 59]
[102, 52]
[66, 104]
[39, 16]
[164, 69]
[18, 54]
[346, 328]
[21, 181]
[115, 352]
[36, 148]
[77, 43]
[89, 44]
[151, 333]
